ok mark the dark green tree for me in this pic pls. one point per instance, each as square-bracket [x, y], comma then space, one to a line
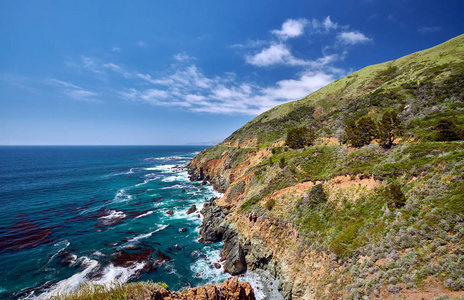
[361, 132]
[447, 130]
[300, 137]
[389, 128]
[395, 196]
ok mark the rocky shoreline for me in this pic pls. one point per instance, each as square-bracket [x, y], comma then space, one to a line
[230, 289]
[253, 242]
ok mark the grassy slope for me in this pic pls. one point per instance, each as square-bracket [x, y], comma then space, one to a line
[417, 242]
[337, 101]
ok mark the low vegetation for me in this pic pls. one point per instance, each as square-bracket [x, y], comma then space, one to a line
[136, 290]
[399, 125]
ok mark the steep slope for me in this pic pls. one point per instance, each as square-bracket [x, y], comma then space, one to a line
[334, 221]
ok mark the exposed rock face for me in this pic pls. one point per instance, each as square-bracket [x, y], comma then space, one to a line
[215, 228]
[192, 209]
[231, 289]
[233, 254]
[252, 242]
[214, 225]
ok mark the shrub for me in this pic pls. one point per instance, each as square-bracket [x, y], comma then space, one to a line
[317, 195]
[270, 204]
[300, 137]
[447, 130]
[163, 285]
[249, 203]
[282, 163]
[395, 196]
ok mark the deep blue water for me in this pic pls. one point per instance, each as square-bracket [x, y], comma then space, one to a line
[72, 214]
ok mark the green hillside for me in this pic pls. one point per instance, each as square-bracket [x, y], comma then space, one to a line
[389, 218]
[427, 82]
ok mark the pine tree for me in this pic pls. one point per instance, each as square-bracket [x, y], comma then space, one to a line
[300, 137]
[361, 132]
[389, 128]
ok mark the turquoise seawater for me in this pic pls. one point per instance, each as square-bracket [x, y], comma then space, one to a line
[76, 214]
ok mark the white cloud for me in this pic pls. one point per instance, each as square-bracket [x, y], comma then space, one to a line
[190, 89]
[275, 54]
[291, 28]
[72, 91]
[353, 37]
[187, 87]
[116, 49]
[142, 44]
[328, 24]
[323, 27]
[279, 53]
[182, 57]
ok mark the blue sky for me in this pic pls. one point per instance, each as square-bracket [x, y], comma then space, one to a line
[188, 72]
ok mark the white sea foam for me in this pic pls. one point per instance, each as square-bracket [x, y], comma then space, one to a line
[122, 196]
[114, 214]
[61, 245]
[175, 186]
[205, 268]
[145, 214]
[264, 286]
[150, 177]
[162, 168]
[131, 171]
[112, 274]
[147, 235]
[71, 283]
[180, 176]
[98, 253]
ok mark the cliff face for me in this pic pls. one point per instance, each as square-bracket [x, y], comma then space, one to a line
[335, 221]
[257, 242]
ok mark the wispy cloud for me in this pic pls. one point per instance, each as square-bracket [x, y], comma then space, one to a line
[353, 38]
[182, 57]
[428, 29]
[324, 26]
[72, 91]
[20, 82]
[115, 49]
[188, 88]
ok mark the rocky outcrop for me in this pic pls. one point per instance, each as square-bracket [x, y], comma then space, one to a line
[192, 209]
[215, 228]
[230, 289]
[214, 224]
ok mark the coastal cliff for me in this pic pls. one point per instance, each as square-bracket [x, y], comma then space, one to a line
[338, 219]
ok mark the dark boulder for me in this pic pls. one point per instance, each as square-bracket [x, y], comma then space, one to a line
[192, 209]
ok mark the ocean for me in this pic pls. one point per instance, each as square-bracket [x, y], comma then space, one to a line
[76, 214]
